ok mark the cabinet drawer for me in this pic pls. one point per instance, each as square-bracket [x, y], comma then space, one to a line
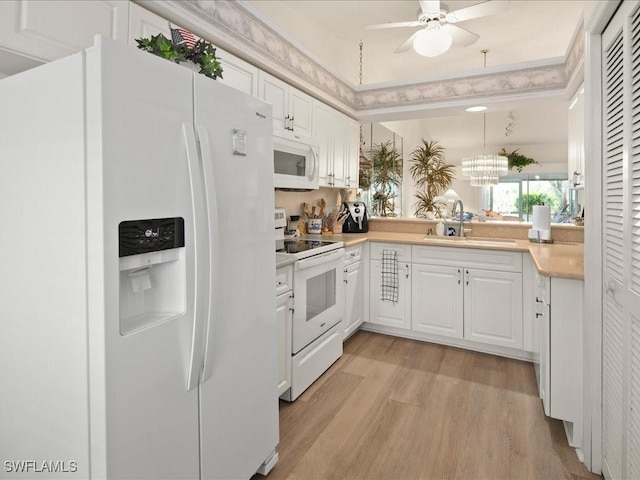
[500, 260]
[352, 255]
[284, 279]
[403, 250]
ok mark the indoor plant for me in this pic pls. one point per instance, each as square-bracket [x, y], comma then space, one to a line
[516, 160]
[201, 54]
[432, 174]
[386, 175]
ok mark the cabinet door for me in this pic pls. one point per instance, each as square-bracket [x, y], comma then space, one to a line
[437, 300]
[54, 29]
[238, 74]
[301, 111]
[353, 317]
[383, 312]
[284, 316]
[493, 307]
[145, 24]
[340, 146]
[322, 133]
[352, 160]
[274, 92]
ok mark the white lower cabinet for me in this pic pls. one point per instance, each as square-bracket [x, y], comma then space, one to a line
[560, 368]
[354, 290]
[383, 311]
[478, 305]
[437, 300]
[474, 295]
[493, 307]
[284, 318]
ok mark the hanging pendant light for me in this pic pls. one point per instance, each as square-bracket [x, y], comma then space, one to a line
[484, 169]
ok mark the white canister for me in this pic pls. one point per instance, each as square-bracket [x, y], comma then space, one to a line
[314, 225]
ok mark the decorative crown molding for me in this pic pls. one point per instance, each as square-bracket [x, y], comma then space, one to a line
[251, 38]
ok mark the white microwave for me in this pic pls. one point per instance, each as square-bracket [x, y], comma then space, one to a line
[295, 163]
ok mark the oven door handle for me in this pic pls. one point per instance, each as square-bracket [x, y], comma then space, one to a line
[319, 259]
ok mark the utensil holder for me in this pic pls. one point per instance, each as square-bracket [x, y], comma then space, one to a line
[314, 225]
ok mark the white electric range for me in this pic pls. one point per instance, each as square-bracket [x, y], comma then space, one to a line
[318, 292]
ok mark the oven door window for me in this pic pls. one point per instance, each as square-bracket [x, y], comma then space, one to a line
[321, 293]
[285, 163]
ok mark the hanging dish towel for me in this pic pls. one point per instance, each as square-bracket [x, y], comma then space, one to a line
[389, 285]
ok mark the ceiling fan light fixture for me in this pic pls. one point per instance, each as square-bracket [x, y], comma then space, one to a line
[432, 41]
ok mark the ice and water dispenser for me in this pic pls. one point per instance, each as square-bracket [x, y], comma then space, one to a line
[152, 272]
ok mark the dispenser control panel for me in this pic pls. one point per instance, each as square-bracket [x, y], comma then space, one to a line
[145, 236]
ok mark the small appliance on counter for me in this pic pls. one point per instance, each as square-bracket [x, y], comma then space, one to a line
[356, 221]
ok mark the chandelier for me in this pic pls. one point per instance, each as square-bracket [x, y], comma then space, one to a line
[485, 169]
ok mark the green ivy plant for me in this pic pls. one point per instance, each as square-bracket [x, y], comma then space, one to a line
[516, 160]
[202, 54]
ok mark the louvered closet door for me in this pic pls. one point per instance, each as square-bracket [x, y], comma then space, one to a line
[633, 448]
[621, 211]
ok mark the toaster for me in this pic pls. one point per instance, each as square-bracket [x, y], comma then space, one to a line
[356, 221]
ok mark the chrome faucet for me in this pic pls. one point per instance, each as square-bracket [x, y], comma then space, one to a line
[453, 214]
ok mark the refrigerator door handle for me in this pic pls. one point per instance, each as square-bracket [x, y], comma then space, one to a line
[201, 254]
[214, 245]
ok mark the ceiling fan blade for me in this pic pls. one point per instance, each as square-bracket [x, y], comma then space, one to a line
[408, 43]
[490, 7]
[379, 26]
[430, 7]
[460, 36]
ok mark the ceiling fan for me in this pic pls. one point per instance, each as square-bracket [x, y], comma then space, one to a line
[439, 32]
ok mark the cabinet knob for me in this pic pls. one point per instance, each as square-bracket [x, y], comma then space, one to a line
[538, 315]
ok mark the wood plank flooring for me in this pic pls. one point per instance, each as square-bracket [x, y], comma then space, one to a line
[396, 409]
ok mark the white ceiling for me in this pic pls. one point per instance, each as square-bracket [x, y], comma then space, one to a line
[332, 30]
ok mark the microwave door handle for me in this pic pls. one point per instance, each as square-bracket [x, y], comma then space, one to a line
[315, 164]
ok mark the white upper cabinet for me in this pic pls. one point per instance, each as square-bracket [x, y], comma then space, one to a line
[352, 165]
[54, 29]
[292, 109]
[145, 24]
[236, 73]
[339, 138]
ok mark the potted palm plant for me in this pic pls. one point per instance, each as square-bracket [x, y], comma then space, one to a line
[432, 176]
[386, 175]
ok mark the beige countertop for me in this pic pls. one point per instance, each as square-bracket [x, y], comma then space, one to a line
[560, 260]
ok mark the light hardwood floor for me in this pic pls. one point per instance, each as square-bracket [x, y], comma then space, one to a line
[392, 408]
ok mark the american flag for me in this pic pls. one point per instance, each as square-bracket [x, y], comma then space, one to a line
[180, 35]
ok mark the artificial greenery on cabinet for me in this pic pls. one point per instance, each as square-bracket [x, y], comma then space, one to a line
[202, 53]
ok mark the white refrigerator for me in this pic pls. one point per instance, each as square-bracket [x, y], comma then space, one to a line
[137, 304]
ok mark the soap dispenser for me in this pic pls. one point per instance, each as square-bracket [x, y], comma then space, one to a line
[440, 228]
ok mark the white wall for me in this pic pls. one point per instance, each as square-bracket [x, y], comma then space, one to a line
[292, 201]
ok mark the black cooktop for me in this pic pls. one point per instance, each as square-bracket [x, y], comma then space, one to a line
[297, 246]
